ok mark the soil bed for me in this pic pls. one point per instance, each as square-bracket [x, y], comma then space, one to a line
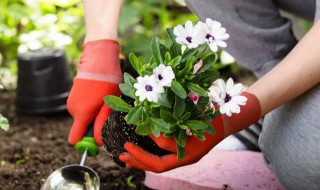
[37, 145]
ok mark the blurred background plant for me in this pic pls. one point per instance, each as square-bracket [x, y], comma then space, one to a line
[29, 25]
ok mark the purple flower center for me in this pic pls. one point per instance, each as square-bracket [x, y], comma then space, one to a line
[189, 39]
[208, 36]
[149, 88]
[160, 77]
[227, 98]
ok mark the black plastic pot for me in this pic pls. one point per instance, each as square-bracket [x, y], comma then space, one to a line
[44, 82]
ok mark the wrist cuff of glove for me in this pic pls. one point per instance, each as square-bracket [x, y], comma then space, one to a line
[100, 61]
[249, 114]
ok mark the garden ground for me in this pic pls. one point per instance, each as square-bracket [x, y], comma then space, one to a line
[37, 145]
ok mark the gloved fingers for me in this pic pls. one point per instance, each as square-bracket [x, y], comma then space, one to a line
[77, 131]
[168, 144]
[131, 162]
[99, 122]
[153, 162]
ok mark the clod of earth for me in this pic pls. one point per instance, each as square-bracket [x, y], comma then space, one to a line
[116, 132]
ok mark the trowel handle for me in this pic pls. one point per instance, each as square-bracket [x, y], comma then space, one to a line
[87, 143]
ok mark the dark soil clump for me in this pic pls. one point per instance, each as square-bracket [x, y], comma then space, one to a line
[116, 132]
[37, 145]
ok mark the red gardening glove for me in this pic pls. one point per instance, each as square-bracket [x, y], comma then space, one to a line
[138, 158]
[99, 75]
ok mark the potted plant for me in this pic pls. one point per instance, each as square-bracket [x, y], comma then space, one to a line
[175, 92]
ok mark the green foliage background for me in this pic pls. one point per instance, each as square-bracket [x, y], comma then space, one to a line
[139, 22]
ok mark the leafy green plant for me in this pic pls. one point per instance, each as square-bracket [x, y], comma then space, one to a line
[25, 25]
[32, 24]
[174, 114]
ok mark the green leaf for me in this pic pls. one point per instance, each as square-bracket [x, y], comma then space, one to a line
[196, 124]
[135, 63]
[210, 129]
[201, 51]
[126, 90]
[176, 61]
[196, 52]
[156, 52]
[183, 126]
[142, 61]
[190, 77]
[163, 51]
[175, 47]
[167, 116]
[188, 68]
[207, 77]
[127, 87]
[154, 130]
[179, 107]
[189, 53]
[163, 100]
[128, 79]
[116, 103]
[167, 58]
[135, 116]
[143, 129]
[195, 88]
[177, 88]
[173, 128]
[158, 125]
[181, 138]
[208, 62]
[185, 116]
[181, 152]
[199, 135]
[203, 102]
[168, 135]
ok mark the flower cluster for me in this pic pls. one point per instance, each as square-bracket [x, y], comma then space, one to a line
[210, 32]
[151, 87]
[177, 90]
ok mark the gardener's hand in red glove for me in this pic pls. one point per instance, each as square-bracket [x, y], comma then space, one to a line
[195, 149]
[99, 75]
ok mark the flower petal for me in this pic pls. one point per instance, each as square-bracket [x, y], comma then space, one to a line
[240, 100]
[236, 90]
[213, 46]
[229, 85]
[221, 43]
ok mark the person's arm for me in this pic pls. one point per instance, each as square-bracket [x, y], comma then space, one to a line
[296, 74]
[102, 17]
[99, 72]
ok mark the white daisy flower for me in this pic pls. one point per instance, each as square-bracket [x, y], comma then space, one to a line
[227, 96]
[188, 35]
[212, 33]
[147, 88]
[164, 75]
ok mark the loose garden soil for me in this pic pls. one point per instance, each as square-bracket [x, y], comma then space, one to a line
[37, 145]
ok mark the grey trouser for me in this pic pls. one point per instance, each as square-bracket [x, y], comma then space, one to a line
[259, 38]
